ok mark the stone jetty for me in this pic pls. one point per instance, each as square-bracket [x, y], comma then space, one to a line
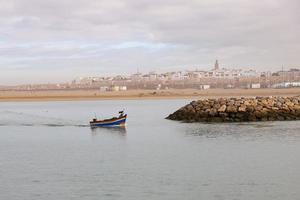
[240, 110]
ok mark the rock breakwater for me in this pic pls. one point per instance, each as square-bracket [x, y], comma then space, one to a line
[240, 110]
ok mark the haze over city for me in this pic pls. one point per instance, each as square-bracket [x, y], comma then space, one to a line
[55, 41]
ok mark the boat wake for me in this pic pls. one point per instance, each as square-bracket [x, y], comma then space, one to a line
[10, 118]
[48, 125]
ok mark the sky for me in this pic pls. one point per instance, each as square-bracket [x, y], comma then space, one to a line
[58, 40]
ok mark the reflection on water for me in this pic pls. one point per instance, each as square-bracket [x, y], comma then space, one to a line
[117, 129]
[251, 130]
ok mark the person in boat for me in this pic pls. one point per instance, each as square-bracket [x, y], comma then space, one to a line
[121, 113]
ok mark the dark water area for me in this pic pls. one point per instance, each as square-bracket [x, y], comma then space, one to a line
[48, 151]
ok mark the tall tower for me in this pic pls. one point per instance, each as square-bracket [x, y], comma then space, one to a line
[217, 65]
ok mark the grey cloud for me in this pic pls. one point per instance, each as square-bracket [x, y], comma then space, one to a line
[81, 35]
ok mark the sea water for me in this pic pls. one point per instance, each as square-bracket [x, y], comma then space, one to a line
[48, 151]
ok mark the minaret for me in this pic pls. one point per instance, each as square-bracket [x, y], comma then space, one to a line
[217, 65]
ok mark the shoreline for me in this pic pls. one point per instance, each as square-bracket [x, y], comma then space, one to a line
[92, 95]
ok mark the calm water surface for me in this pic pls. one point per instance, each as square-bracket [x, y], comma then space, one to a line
[48, 152]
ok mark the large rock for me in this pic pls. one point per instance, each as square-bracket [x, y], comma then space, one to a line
[242, 108]
[222, 108]
[231, 108]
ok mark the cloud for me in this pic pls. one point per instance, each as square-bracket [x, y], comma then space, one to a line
[111, 36]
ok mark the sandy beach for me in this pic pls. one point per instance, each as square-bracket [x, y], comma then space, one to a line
[70, 95]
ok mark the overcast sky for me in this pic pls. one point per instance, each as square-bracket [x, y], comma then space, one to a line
[58, 40]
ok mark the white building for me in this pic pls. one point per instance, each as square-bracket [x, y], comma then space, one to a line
[255, 85]
[204, 87]
[286, 85]
[175, 76]
[104, 89]
[250, 73]
[115, 88]
[136, 76]
[123, 88]
[153, 76]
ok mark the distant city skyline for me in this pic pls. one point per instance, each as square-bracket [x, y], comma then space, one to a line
[55, 41]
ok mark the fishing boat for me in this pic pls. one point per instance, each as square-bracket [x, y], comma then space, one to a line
[112, 122]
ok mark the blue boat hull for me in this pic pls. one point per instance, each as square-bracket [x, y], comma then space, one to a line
[109, 123]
